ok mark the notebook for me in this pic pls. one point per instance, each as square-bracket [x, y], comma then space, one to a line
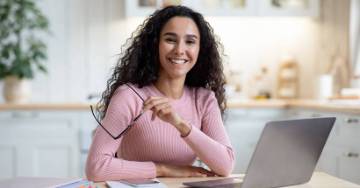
[130, 183]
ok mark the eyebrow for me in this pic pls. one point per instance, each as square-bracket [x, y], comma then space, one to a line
[174, 35]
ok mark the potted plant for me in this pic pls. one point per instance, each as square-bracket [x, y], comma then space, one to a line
[21, 50]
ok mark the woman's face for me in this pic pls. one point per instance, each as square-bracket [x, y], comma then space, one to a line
[178, 47]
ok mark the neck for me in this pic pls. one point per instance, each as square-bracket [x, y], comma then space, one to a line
[170, 88]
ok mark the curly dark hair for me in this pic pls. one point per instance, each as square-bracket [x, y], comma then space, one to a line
[139, 63]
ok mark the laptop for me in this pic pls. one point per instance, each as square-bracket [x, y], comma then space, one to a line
[286, 154]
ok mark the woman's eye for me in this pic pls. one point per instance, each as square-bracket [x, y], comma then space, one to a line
[170, 40]
[190, 42]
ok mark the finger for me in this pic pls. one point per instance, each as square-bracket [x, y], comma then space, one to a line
[161, 111]
[154, 102]
[198, 174]
[205, 171]
[164, 112]
[153, 116]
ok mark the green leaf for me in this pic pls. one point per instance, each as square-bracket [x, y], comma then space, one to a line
[23, 53]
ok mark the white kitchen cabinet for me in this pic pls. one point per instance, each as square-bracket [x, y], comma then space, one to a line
[223, 7]
[87, 127]
[41, 143]
[244, 127]
[289, 8]
[206, 7]
[229, 7]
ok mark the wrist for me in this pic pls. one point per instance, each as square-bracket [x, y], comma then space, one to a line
[183, 128]
[159, 170]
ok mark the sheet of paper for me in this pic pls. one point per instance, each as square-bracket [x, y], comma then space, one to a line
[119, 184]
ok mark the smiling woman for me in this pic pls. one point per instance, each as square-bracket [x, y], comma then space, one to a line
[171, 74]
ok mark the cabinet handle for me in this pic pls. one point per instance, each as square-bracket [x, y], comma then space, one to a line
[352, 155]
[352, 120]
[315, 115]
[23, 115]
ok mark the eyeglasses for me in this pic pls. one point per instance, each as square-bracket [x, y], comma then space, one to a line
[122, 132]
[129, 126]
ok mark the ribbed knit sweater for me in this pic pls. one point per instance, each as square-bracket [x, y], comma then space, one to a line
[149, 141]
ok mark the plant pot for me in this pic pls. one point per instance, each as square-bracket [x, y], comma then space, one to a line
[16, 90]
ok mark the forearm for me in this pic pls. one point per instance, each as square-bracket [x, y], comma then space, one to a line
[102, 165]
[109, 168]
[218, 157]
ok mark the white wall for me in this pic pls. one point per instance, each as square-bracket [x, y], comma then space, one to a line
[252, 42]
[87, 35]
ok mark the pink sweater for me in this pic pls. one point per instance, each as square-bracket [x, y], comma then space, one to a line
[148, 142]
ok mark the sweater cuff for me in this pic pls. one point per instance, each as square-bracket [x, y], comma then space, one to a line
[193, 134]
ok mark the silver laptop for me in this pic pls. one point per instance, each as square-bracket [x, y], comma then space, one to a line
[286, 154]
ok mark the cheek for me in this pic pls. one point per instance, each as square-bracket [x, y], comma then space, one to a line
[164, 49]
[194, 53]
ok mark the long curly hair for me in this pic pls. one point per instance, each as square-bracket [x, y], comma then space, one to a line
[139, 63]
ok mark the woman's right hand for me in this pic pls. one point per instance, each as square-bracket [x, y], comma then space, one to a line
[166, 170]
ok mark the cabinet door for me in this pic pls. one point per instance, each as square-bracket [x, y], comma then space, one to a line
[289, 8]
[244, 128]
[87, 126]
[349, 158]
[140, 7]
[349, 165]
[343, 162]
[205, 7]
[35, 143]
[223, 7]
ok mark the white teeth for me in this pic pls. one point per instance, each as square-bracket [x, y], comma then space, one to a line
[178, 61]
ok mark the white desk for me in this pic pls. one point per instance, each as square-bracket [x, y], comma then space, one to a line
[319, 180]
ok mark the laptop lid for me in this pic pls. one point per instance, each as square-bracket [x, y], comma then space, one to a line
[287, 152]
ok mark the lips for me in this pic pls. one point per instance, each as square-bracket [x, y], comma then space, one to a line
[178, 61]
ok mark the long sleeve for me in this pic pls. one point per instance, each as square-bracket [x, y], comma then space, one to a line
[102, 164]
[211, 144]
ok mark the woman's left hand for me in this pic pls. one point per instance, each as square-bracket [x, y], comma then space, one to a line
[161, 108]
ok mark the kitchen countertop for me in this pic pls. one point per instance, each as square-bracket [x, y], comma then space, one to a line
[349, 106]
[233, 103]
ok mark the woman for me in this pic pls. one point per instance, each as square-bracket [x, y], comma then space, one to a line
[169, 86]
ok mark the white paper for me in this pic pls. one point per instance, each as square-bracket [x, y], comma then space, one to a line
[118, 184]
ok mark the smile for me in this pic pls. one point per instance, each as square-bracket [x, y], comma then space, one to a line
[178, 61]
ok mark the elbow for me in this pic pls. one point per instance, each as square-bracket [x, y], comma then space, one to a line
[93, 174]
[94, 171]
[226, 168]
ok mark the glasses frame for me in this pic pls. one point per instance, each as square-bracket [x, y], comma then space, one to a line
[129, 126]
[122, 132]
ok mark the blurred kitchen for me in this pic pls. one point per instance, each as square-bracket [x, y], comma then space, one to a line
[284, 59]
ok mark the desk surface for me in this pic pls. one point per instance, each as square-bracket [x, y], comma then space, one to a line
[319, 180]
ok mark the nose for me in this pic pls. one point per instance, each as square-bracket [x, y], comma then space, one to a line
[180, 48]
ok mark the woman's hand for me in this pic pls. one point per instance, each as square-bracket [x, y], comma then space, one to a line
[161, 107]
[166, 170]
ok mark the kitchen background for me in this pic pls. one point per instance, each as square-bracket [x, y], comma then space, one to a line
[87, 36]
[266, 41]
